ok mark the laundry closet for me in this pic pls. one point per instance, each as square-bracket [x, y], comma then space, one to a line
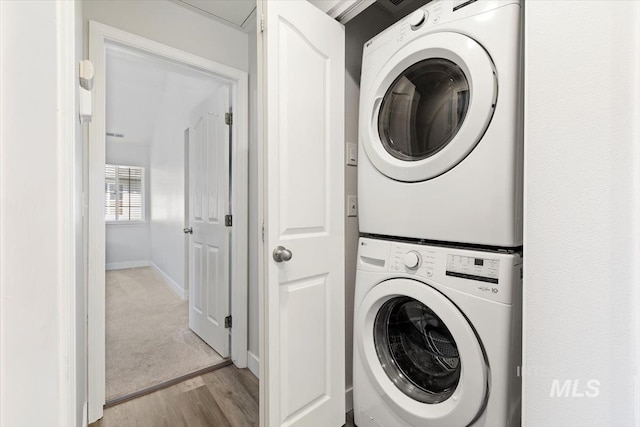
[429, 207]
[439, 195]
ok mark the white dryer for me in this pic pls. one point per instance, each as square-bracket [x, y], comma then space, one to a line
[437, 336]
[440, 127]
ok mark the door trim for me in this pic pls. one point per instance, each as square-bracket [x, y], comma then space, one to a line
[185, 148]
[100, 36]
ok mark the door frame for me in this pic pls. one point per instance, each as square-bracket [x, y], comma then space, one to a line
[100, 36]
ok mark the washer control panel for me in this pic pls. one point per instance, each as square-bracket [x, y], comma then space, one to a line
[419, 261]
[467, 267]
[488, 275]
[412, 260]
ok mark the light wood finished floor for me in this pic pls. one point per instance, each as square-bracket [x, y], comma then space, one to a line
[226, 397]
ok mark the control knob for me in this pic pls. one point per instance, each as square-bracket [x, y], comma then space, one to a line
[418, 18]
[412, 260]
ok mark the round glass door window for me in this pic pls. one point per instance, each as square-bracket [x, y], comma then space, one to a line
[423, 109]
[416, 350]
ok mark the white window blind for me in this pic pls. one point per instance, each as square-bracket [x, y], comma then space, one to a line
[124, 193]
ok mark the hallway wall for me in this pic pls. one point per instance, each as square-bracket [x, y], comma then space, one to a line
[182, 93]
[40, 363]
[170, 23]
[582, 216]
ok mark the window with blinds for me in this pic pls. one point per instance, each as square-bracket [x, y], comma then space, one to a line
[124, 193]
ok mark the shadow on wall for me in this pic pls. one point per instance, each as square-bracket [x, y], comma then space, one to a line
[360, 29]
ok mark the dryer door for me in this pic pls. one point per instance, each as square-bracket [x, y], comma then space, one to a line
[428, 107]
[422, 354]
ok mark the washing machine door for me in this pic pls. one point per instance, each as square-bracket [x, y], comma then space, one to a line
[428, 107]
[421, 354]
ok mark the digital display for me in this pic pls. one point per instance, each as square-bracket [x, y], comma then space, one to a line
[472, 268]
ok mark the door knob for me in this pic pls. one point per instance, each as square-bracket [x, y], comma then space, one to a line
[188, 230]
[282, 254]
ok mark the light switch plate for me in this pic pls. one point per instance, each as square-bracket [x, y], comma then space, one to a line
[352, 206]
[352, 154]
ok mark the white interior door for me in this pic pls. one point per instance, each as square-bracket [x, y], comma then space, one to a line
[208, 205]
[303, 123]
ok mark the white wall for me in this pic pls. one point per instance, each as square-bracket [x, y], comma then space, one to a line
[128, 245]
[182, 93]
[167, 188]
[36, 163]
[363, 27]
[582, 224]
[174, 25]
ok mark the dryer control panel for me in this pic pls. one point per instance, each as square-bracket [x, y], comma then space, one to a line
[428, 18]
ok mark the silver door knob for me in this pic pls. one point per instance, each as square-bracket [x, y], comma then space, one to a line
[188, 230]
[282, 254]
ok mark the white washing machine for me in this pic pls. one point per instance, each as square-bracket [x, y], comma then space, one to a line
[437, 336]
[441, 125]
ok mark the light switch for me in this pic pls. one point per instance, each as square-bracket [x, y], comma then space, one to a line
[352, 206]
[352, 154]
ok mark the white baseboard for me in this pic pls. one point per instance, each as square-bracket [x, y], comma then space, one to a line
[128, 264]
[85, 409]
[253, 363]
[179, 290]
[348, 399]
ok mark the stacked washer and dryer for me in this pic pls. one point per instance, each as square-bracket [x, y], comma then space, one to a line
[437, 333]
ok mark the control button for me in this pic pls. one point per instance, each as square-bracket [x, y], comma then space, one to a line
[418, 18]
[412, 260]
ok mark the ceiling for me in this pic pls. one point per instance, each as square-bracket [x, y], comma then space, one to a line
[238, 13]
[139, 86]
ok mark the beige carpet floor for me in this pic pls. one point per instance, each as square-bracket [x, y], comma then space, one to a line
[148, 340]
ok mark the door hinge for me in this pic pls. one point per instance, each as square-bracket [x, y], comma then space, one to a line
[228, 220]
[262, 23]
[227, 322]
[228, 118]
[263, 232]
